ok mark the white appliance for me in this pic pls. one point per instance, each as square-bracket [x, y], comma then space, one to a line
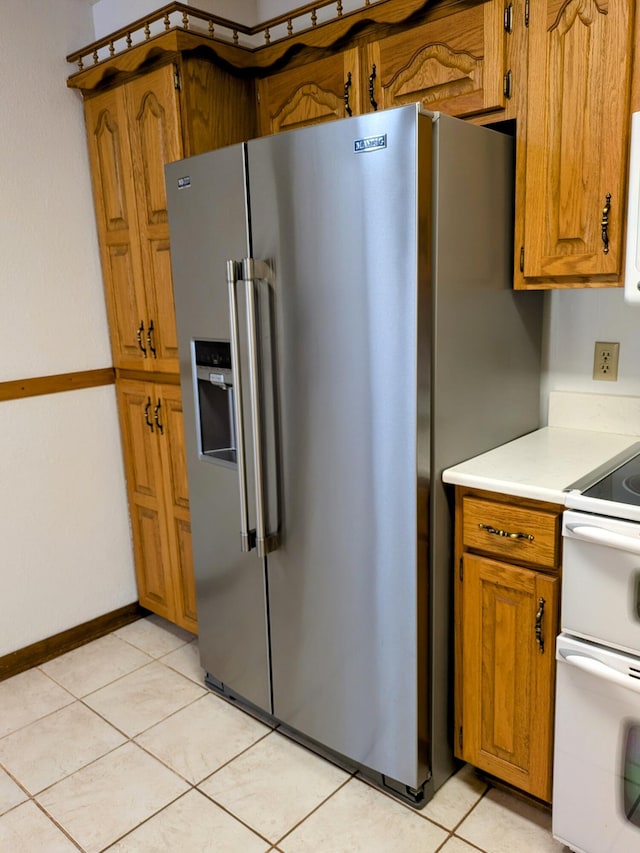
[596, 794]
[632, 270]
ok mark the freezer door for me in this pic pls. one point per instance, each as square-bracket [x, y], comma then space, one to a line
[209, 226]
[335, 215]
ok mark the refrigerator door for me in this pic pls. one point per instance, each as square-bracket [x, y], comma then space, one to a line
[209, 225]
[335, 215]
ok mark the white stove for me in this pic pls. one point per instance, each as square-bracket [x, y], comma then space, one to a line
[612, 490]
[596, 796]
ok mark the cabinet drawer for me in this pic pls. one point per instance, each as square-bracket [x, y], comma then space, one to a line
[517, 533]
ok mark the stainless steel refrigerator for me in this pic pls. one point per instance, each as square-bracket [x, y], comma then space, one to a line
[346, 330]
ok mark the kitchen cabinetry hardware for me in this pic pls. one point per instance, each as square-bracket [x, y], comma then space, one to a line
[156, 417]
[508, 18]
[139, 335]
[526, 13]
[539, 615]
[372, 78]
[347, 86]
[528, 536]
[506, 84]
[604, 224]
[150, 331]
[148, 422]
[521, 258]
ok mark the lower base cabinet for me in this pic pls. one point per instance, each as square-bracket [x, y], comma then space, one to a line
[507, 613]
[153, 445]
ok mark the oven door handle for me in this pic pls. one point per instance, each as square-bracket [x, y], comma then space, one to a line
[599, 669]
[600, 536]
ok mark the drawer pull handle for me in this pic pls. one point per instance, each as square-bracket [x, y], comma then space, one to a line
[505, 533]
[539, 614]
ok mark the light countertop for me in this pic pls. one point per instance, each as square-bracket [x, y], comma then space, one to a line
[542, 464]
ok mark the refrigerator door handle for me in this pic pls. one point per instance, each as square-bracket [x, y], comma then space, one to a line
[247, 539]
[252, 271]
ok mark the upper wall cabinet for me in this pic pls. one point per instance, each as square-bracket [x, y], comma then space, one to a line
[577, 126]
[134, 129]
[454, 64]
[316, 92]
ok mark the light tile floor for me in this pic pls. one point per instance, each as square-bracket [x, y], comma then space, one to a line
[118, 746]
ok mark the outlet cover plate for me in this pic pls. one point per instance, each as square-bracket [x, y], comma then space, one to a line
[605, 361]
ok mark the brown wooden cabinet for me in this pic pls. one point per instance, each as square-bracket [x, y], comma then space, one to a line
[153, 442]
[179, 106]
[455, 64]
[577, 128]
[508, 556]
[133, 130]
[313, 93]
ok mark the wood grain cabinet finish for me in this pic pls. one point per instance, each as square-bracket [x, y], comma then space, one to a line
[133, 131]
[577, 128]
[152, 434]
[160, 114]
[506, 621]
[313, 93]
[454, 64]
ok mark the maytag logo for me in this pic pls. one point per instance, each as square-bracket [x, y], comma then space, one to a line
[184, 182]
[370, 143]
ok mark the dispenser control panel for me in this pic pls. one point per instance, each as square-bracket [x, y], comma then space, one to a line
[213, 354]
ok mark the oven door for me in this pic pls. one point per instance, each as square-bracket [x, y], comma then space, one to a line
[601, 580]
[596, 783]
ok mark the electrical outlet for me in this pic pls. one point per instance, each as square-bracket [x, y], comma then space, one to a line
[605, 361]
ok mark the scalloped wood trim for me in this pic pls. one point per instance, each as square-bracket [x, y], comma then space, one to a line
[178, 39]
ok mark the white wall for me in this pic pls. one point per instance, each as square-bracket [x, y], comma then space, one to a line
[65, 544]
[110, 15]
[575, 321]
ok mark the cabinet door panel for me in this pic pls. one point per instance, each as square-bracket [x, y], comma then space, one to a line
[310, 94]
[128, 304]
[112, 176]
[176, 497]
[143, 463]
[186, 608]
[154, 584]
[165, 335]
[577, 124]
[454, 64]
[507, 687]
[155, 133]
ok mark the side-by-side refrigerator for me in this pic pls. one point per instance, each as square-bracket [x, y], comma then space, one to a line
[347, 330]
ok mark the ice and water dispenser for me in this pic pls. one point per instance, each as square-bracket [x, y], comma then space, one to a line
[214, 380]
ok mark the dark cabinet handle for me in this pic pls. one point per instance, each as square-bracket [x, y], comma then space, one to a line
[150, 339]
[347, 86]
[139, 335]
[604, 224]
[539, 615]
[156, 417]
[372, 78]
[146, 414]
